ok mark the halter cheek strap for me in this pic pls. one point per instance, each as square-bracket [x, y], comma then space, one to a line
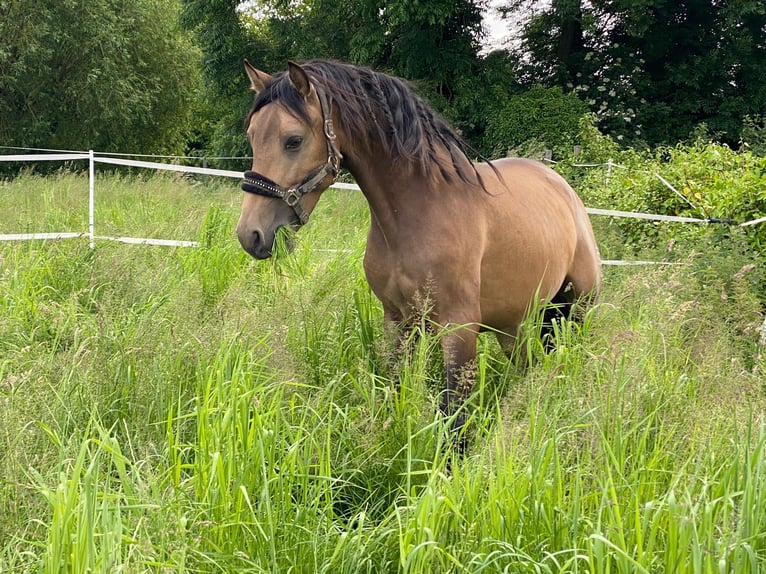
[259, 184]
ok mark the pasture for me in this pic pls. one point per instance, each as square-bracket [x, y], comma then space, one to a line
[193, 410]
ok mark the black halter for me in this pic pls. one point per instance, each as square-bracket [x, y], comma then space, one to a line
[256, 183]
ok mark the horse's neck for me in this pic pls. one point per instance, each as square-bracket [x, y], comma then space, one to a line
[387, 188]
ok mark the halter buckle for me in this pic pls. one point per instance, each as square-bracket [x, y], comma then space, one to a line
[291, 197]
[329, 129]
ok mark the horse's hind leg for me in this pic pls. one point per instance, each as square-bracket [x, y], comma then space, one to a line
[558, 308]
[582, 284]
[585, 274]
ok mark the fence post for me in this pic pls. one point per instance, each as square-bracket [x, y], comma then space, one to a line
[91, 198]
[609, 165]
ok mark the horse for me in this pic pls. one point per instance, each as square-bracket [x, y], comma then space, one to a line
[481, 242]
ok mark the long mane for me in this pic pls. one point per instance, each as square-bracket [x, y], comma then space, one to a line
[377, 106]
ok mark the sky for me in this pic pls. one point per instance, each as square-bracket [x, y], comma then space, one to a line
[497, 29]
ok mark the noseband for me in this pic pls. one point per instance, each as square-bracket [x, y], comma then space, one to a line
[258, 184]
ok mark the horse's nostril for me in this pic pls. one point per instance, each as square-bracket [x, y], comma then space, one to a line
[256, 244]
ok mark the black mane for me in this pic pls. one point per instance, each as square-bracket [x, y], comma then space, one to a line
[377, 106]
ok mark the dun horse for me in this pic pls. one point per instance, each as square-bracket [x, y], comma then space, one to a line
[481, 242]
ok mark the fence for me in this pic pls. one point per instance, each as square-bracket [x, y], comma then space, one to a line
[96, 157]
[92, 160]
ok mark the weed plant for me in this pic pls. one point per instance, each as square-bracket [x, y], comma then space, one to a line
[193, 410]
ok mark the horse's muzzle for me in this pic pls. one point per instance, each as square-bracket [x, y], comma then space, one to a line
[255, 243]
[262, 246]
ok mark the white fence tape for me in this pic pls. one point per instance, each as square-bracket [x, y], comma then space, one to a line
[637, 215]
[93, 158]
[753, 222]
[28, 236]
[674, 190]
[620, 263]
[45, 157]
[150, 241]
[168, 167]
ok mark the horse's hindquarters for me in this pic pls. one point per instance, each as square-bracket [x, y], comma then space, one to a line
[538, 241]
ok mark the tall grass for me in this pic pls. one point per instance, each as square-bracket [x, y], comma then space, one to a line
[192, 410]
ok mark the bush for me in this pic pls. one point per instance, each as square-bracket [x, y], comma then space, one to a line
[712, 182]
[545, 115]
[753, 134]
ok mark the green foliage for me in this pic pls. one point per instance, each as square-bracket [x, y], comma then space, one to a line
[712, 181]
[544, 115]
[114, 77]
[753, 135]
[433, 44]
[651, 70]
[226, 97]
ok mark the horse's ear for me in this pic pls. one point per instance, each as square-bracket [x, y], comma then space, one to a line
[299, 79]
[258, 80]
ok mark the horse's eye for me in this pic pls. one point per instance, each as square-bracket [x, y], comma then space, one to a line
[293, 143]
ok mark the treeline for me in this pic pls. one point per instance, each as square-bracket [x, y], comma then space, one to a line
[165, 76]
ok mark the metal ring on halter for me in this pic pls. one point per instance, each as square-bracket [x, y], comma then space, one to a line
[291, 197]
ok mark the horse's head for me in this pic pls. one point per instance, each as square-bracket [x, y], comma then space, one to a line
[295, 157]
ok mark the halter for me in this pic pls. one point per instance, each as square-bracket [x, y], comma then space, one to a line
[258, 184]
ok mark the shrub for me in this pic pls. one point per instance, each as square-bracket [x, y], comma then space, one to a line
[753, 134]
[545, 115]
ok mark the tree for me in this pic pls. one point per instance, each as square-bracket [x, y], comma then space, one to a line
[653, 69]
[434, 44]
[224, 43]
[112, 76]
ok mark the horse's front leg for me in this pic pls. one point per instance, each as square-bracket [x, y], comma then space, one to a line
[459, 348]
[394, 336]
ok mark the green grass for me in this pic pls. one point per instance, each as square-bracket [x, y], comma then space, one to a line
[193, 410]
